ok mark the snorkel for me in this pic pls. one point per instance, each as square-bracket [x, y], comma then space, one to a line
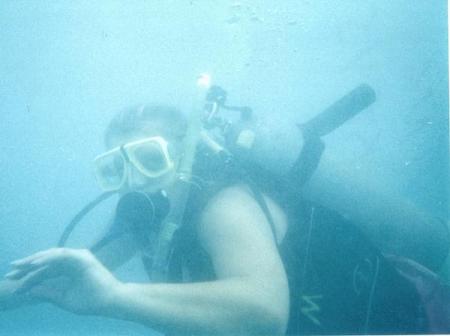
[182, 185]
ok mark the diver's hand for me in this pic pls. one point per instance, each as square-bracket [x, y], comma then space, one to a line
[72, 279]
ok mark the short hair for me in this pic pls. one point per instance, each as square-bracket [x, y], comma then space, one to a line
[132, 120]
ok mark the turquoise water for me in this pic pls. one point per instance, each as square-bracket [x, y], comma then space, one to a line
[67, 67]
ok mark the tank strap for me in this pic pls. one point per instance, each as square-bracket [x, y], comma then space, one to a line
[259, 198]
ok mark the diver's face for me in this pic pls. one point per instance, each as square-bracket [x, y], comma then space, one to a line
[136, 179]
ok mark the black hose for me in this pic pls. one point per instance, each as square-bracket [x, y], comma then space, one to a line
[79, 216]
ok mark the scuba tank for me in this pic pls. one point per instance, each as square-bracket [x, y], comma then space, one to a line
[252, 144]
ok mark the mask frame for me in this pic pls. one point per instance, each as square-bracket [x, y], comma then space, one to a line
[117, 161]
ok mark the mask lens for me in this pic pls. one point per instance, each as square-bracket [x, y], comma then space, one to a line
[150, 158]
[110, 171]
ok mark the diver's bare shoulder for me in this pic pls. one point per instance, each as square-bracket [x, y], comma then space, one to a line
[235, 232]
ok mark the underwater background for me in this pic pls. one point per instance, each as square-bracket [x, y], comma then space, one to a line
[67, 67]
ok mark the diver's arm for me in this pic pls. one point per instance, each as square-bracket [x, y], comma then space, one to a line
[230, 306]
[250, 295]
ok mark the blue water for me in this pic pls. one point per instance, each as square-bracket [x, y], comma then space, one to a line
[66, 67]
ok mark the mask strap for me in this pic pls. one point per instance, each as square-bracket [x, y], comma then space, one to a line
[79, 216]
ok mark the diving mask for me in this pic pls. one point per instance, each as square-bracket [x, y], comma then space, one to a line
[150, 156]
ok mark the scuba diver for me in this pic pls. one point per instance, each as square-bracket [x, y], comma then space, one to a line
[229, 247]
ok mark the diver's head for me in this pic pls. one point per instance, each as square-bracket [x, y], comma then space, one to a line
[144, 145]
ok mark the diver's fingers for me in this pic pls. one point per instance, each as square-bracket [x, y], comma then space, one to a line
[20, 272]
[42, 258]
[27, 260]
[17, 274]
[34, 278]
